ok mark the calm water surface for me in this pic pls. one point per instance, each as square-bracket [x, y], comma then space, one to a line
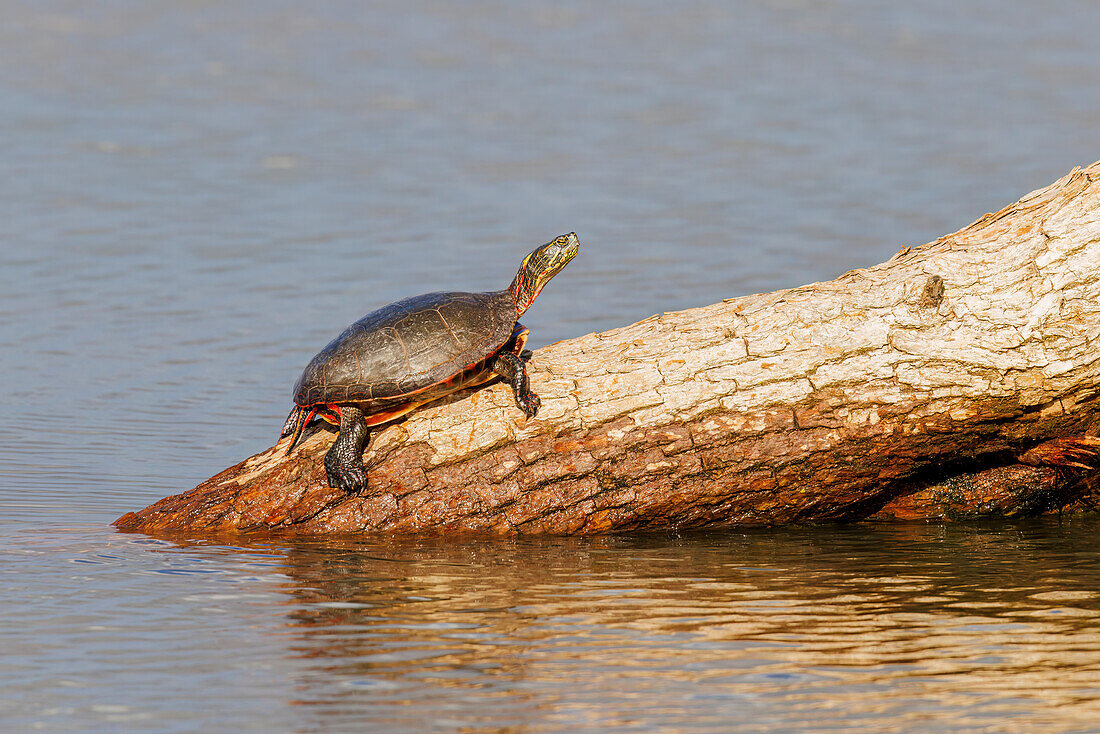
[864, 628]
[197, 196]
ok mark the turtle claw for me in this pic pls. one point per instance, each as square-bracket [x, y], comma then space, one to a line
[528, 403]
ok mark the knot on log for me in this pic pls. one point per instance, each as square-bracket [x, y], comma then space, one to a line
[932, 296]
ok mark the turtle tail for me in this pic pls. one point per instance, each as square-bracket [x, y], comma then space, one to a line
[295, 424]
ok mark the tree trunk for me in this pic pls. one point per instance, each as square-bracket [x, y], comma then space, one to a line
[852, 398]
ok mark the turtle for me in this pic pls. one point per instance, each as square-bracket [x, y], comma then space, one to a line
[417, 350]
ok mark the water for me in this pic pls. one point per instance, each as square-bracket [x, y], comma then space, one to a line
[991, 629]
[197, 196]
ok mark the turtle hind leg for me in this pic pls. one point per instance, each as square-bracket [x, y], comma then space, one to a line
[295, 424]
[514, 371]
[291, 421]
[344, 460]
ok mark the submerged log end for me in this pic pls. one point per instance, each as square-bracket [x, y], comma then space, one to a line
[265, 491]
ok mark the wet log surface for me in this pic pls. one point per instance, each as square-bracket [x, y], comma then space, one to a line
[905, 390]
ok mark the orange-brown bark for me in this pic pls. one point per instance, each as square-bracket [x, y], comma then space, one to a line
[858, 397]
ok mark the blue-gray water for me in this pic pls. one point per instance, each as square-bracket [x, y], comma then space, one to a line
[194, 197]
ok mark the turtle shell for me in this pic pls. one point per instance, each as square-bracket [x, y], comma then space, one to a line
[406, 347]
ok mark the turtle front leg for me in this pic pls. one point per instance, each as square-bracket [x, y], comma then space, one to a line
[344, 460]
[514, 371]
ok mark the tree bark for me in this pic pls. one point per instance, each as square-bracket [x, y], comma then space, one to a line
[852, 398]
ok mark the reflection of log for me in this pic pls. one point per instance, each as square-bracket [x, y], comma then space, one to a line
[833, 400]
[781, 626]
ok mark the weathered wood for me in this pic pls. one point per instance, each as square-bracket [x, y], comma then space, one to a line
[834, 400]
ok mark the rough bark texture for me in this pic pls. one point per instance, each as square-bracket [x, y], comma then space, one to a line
[902, 390]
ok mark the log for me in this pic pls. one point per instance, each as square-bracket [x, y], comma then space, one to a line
[877, 394]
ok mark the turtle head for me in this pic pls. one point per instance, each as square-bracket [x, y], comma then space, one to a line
[539, 267]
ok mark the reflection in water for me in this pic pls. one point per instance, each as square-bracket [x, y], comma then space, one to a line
[887, 627]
